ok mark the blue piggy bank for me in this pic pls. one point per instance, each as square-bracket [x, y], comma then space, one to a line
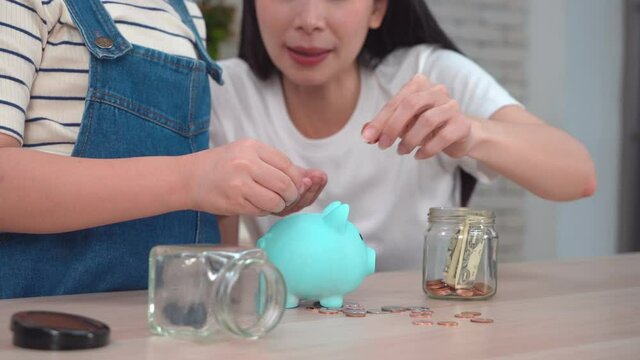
[321, 256]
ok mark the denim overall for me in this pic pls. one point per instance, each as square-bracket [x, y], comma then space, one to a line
[140, 102]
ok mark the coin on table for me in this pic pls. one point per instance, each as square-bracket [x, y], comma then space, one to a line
[448, 323]
[394, 309]
[377, 311]
[422, 323]
[418, 308]
[472, 313]
[482, 320]
[463, 316]
[355, 313]
[351, 305]
[423, 314]
[327, 311]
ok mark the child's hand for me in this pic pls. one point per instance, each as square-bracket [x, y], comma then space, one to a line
[245, 177]
[318, 182]
[423, 116]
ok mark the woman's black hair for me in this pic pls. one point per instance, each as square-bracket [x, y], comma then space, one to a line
[406, 23]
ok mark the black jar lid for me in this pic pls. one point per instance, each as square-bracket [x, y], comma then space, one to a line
[46, 330]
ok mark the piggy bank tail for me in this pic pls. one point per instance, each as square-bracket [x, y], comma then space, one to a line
[371, 261]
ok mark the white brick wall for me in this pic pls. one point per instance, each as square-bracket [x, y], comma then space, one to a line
[493, 33]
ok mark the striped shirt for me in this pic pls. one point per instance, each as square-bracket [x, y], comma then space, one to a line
[44, 64]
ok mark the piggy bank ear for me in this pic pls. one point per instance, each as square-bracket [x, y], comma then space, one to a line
[336, 216]
[331, 207]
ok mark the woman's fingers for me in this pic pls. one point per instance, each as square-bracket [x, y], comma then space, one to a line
[372, 130]
[454, 131]
[426, 124]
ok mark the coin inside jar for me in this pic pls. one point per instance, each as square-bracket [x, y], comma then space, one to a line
[482, 289]
[441, 292]
[465, 292]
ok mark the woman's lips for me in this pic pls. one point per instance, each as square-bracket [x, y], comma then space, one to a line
[308, 56]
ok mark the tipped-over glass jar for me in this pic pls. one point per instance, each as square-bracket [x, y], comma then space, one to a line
[195, 291]
[460, 248]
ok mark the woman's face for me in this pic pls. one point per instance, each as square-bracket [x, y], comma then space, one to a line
[314, 41]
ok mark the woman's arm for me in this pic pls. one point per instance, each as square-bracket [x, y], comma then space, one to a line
[45, 193]
[544, 160]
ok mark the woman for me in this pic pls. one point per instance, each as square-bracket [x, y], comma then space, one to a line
[326, 81]
[104, 113]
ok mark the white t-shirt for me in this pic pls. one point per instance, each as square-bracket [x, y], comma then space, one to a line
[389, 195]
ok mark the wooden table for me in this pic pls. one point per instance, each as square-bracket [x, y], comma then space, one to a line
[581, 309]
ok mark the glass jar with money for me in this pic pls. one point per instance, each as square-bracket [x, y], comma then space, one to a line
[200, 291]
[460, 254]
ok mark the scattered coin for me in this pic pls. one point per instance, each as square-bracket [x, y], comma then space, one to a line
[472, 313]
[327, 311]
[377, 311]
[355, 313]
[423, 314]
[482, 320]
[448, 323]
[418, 308]
[463, 316]
[422, 323]
[394, 309]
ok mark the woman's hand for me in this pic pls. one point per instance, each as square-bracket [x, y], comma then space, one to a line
[245, 177]
[423, 116]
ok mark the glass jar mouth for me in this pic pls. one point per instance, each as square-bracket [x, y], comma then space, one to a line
[270, 301]
[461, 214]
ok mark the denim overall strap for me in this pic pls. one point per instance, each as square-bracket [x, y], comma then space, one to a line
[212, 68]
[142, 102]
[103, 38]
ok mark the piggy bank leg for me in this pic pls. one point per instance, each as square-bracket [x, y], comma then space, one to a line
[332, 302]
[292, 301]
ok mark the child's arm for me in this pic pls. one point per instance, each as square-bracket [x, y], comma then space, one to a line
[45, 193]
